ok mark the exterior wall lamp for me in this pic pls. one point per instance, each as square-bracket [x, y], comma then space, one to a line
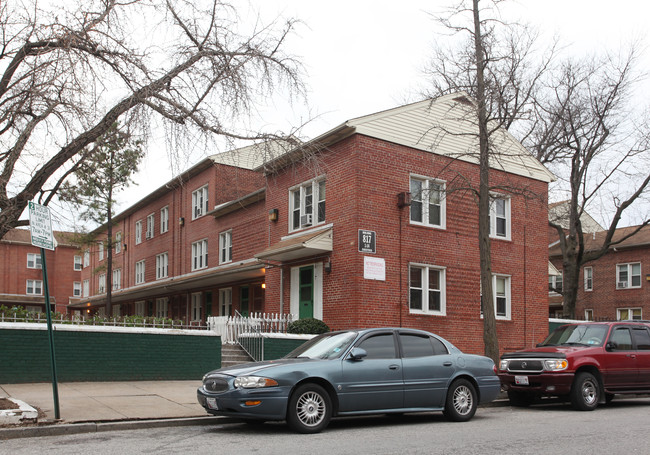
[273, 215]
[181, 221]
[328, 266]
[403, 199]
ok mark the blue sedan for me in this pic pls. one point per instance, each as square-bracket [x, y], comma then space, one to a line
[354, 372]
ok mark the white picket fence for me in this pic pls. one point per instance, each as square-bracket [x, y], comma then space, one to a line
[231, 327]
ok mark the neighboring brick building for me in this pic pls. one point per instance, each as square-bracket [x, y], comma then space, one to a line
[393, 241]
[614, 287]
[21, 274]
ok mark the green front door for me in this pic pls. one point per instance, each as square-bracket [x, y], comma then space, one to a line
[306, 292]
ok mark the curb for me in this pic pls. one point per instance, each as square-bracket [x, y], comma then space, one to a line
[24, 414]
[96, 427]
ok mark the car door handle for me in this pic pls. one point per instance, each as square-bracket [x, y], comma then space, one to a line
[447, 364]
[632, 356]
[393, 367]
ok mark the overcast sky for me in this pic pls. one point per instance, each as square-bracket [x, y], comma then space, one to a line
[364, 56]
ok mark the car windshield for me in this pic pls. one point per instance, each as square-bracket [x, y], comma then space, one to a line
[581, 334]
[327, 346]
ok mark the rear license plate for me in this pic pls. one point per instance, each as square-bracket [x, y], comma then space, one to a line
[521, 380]
[212, 403]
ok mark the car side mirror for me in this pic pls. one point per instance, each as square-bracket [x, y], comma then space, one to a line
[611, 346]
[357, 354]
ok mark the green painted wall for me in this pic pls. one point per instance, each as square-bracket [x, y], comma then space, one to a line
[105, 356]
[274, 348]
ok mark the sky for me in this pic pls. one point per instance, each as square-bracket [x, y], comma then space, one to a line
[363, 56]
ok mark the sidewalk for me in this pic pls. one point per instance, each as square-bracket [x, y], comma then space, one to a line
[111, 401]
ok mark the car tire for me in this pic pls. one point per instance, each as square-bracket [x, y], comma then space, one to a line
[310, 409]
[520, 399]
[585, 392]
[461, 402]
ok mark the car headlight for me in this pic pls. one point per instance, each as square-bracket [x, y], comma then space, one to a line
[556, 364]
[254, 382]
[503, 365]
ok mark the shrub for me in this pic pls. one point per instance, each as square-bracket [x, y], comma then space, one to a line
[310, 326]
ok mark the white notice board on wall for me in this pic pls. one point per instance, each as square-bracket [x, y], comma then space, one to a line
[374, 268]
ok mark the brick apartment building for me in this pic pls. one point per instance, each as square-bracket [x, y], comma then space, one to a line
[614, 287]
[21, 274]
[366, 225]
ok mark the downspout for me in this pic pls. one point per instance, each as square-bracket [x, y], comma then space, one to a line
[282, 290]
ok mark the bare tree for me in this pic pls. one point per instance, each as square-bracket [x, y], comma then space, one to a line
[66, 76]
[498, 65]
[588, 132]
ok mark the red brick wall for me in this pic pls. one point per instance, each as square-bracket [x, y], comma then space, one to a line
[364, 176]
[605, 299]
[60, 271]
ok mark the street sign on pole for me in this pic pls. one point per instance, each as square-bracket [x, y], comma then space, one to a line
[40, 226]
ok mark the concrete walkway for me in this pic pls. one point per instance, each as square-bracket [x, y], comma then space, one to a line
[111, 401]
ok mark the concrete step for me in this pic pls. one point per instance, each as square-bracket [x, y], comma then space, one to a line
[232, 354]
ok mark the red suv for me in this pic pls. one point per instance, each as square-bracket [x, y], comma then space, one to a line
[587, 363]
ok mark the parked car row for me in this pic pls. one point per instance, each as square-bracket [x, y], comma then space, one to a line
[397, 370]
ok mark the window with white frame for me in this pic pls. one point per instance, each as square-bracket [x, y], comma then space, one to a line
[34, 261]
[117, 312]
[196, 306]
[140, 308]
[150, 225]
[628, 275]
[427, 202]
[138, 232]
[100, 247]
[162, 265]
[77, 263]
[589, 315]
[200, 202]
[76, 289]
[225, 302]
[225, 247]
[164, 219]
[117, 279]
[86, 288]
[118, 243]
[501, 285]
[555, 283]
[34, 287]
[86, 258]
[200, 254]
[427, 290]
[629, 314]
[139, 272]
[501, 296]
[500, 217]
[588, 277]
[101, 283]
[307, 204]
[162, 305]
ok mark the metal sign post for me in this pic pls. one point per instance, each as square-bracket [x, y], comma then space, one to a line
[40, 227]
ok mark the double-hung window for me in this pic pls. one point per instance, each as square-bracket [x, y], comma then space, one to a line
[118, 243]
[139, 272]
[200, 202]
[501, 296]
[138, 232]
[100, 246]
[200, 254]
[34, 261]
[164, 219]
[427, 202]
[86, 258]
[307, 204]
[162, 265]
[117, 279]
[34, 287]
[427, 290]
[161, 307]
[588, 276]
[77, 263]
[76, 289]
[225, 247]
[500, 217]
[86, 288]
[150, 226]
[101, 284]
[628, 275]
[555, 283]
[195, 312]
[629, 314]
